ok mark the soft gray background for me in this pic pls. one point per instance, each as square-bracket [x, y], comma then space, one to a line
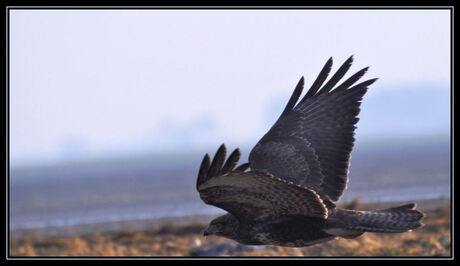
[97, 83]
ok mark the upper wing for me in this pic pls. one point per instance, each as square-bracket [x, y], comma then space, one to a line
[254, 195]
[311, 142]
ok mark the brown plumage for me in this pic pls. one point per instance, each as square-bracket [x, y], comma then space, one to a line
[299, 169]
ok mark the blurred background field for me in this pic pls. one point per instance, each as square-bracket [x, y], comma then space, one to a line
[148, 206]
[162, 186]
[184, 238]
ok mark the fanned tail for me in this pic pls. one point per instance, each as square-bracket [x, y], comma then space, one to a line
[393, 220]
[351, 223]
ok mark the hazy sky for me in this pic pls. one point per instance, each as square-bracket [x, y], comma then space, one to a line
[104, 82]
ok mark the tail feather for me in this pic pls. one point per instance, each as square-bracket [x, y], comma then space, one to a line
[392, 220]
[351, 223]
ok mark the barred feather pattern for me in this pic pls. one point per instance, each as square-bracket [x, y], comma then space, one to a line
[393, 220]
[253, 195]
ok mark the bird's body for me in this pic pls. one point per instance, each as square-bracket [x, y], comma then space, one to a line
[293, 231]
[299, 169]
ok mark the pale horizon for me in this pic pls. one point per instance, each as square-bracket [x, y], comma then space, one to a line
[92, 83]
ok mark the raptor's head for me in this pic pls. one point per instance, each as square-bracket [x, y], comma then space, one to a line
[226, 225]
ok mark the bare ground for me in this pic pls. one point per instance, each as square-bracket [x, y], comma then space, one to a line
[434, 239]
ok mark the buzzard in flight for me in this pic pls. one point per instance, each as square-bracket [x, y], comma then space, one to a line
[299, 169]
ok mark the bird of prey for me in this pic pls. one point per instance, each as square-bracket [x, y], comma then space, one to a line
[298, 170]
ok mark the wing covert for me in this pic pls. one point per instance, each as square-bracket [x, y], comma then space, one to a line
[256, 195]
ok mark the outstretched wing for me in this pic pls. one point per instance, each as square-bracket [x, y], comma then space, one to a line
[311, 142]
[253, 195]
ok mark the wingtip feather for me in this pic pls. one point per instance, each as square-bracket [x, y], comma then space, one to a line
[322, 76]
[204, 168]
[241, 168]
[295, 96]
[337, 76]
[365, 84]
[351, 80]
[218, 161]
[231, 161]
